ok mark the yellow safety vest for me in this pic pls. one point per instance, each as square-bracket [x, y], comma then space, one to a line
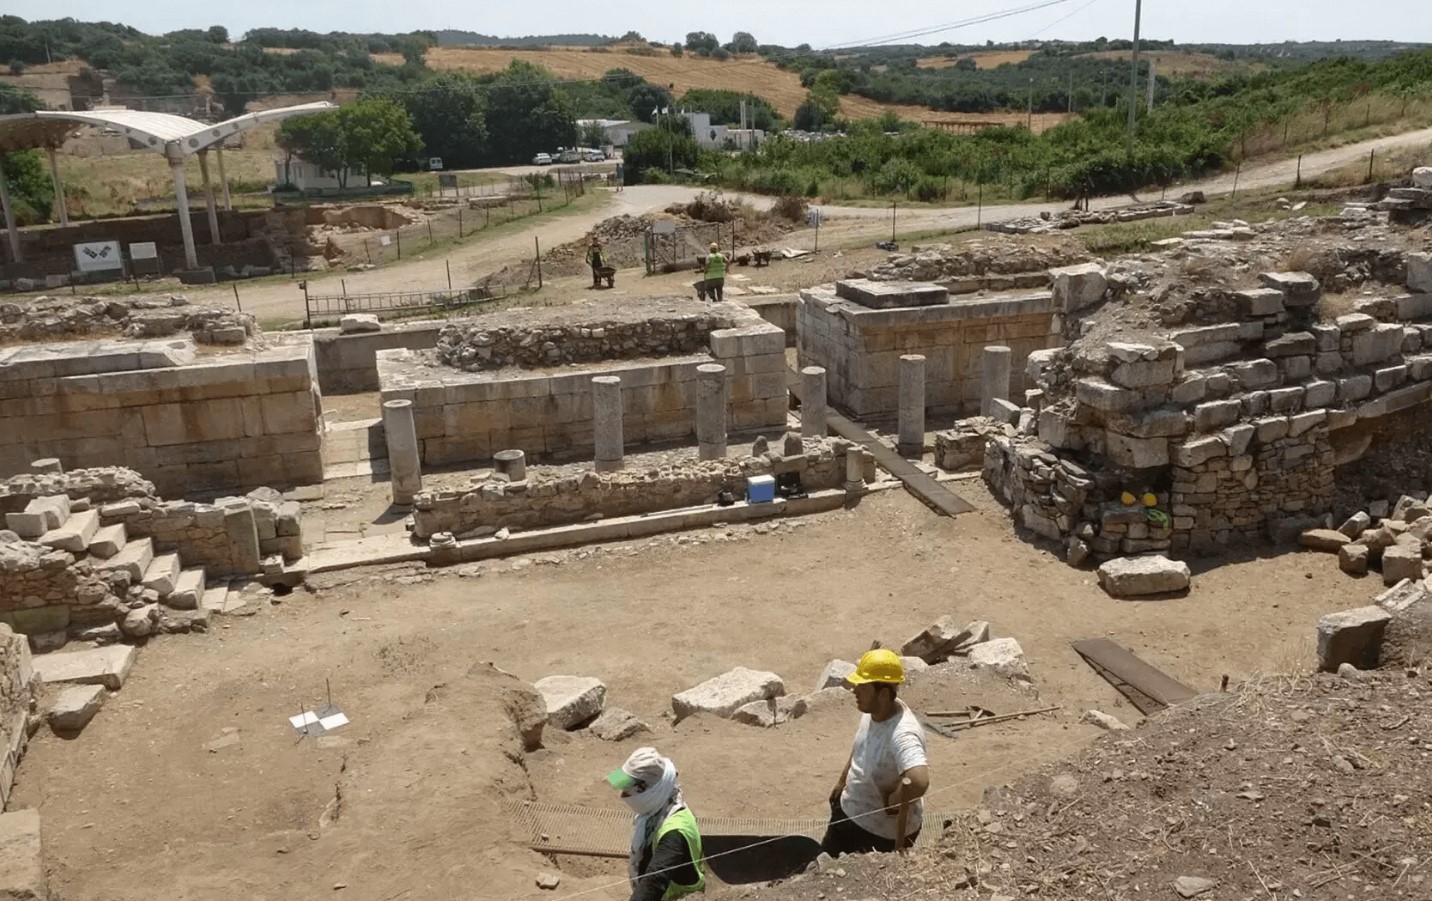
[684, 822]
[715, 266]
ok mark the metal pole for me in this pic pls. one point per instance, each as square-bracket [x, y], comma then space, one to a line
[213, 212]
[1134, 77]
[238, 303]
[979, 208]
[1153, 82]
[10, 228]
[1030, 123]
[1371, 155]
[1298, 182]
[448, 264]
[223, 179]
[892, 222]
[1236, 173]
[186, 225]
[537, 243]
[1071, 92]
[60, 207]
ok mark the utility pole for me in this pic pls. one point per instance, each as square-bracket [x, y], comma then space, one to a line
[1134, 77]
[1030, 126]
[1153, 84]
[1071, 92]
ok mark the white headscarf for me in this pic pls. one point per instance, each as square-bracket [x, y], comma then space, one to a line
[659, 800]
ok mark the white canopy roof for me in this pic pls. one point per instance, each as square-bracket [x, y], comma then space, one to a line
[172, 135]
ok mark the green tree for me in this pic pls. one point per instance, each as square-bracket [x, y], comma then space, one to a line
[315, 138]
[743, 42]
[702, 42]
[662, 149]
[593, 135]
[449, 113]
[32, 193]
[375, 133]
[526, 113]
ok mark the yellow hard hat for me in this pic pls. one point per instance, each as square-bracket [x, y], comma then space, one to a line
[715, 246]
[879, 665]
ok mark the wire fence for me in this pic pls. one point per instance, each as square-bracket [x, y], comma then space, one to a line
[321, 310]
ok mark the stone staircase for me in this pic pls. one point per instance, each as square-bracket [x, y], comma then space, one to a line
[57, 523]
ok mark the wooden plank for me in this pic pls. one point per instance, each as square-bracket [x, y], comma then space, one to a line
[930, 492]
[1147, 687]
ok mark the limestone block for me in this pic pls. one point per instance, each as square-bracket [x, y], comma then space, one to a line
[1191, 390]
[1325, 540]
[1376, 345]
[1254, 374]
[1292, 344]
[1143, 373]
[725, 693]
[1402, 561]
[219, 419]
[1305, 422]
[1355, 525]
[1351, 636]
[833, 676]
[97, 666]
[40, 515]
[1002, 655]
[616, 724]
[1389, 378]
[572, 701]
[287, 413]
[756, 713]
[936, 642]
[75, 707]
[1299, 288]
[1319, 393]
[1131, 577]
[1200, 450]
[1422, 178]
[1216, 414]
[1419, 270]
[1414, 306]
[1354, 322]
[1353, 559]
[75, 534]
[1261, 302]
[22, 868]
[1103, 720]
[1101, 395]
[1354, 388]
[1078, 287]
[359, 322]
[1136, 453]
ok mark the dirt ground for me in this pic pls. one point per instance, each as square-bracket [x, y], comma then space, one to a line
[192, 780]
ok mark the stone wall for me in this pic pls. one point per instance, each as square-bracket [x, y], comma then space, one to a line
[15, 699]
[54, 318]
[348, 364]
[466, 416]
[860, 347]
[190, 422]
[46, 590]
[1239, 429]
[572, 498]
[779, 310]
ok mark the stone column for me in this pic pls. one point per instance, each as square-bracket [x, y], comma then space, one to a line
[711, 408]
[912, 406]
[404, 459]
[813, 402]
[994, 383]
[510, 464]
[854, 469]
[607, 422]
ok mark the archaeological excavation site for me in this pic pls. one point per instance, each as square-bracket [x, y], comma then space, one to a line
[371, 611]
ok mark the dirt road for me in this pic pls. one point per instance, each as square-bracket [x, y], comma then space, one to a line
[191, 780]
[842, 226]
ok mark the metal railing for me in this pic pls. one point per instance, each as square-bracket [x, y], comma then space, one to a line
[404, 304]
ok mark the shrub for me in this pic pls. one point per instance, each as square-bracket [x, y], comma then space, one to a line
[790, 208]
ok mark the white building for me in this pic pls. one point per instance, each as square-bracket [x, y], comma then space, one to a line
[720, 137]
[618, 131]
[306, 176]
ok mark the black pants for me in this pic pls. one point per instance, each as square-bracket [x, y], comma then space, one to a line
[715, 289]
[844, 836]
[596, 275]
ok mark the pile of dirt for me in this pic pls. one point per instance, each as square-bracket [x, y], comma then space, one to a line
[1309, 787]
[996, 254]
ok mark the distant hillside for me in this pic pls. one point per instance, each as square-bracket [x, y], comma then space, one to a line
[1308, 51]
[450, 38]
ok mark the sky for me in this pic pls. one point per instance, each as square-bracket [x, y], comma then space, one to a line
[820, 23]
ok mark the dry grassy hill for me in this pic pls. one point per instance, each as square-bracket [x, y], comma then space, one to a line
[748, 74]
[985, 59]
[1197, 65]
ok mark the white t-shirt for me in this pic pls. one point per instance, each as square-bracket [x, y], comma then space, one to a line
[882, 752]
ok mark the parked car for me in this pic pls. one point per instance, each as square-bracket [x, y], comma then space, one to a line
[435, 164]
[594, 156]
[568, 155]
[542, 159]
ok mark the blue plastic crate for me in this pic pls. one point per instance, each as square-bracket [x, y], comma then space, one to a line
[760, 489]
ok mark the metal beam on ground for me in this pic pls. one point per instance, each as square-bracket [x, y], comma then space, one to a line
[223, 179]
[934, 495]
[1147, 687]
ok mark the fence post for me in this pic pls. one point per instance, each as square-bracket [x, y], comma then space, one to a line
[307, 307]
[1298, 182]
[448, 265]
[1371, 155]
[237, 302]
[537, 243]
[979, 207]
[1236, 172]
[892, 221]
[367, 252]
[459, 223]
[430, 233]
[398, 236]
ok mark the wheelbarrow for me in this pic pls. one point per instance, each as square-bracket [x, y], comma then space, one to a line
[604, 273]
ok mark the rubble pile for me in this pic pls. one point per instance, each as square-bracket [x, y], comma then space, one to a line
[1396, 542]
[1049, 223]
[978, 261]
[65, 318]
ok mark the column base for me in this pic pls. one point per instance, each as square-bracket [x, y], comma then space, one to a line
[610, 465]
[914, 451]
[711, 452]
[855, 488]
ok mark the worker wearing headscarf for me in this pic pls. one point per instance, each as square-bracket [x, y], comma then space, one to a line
[714, 269]
[596, 260]
[665, 860]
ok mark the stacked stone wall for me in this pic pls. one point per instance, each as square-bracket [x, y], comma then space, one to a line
[16, 676]
[574, 498]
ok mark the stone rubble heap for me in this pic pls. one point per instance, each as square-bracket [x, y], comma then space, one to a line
[1234, 428]
[62, 318]
[991, 264]
[1398, 546]
[1049, 223]
[635, 331]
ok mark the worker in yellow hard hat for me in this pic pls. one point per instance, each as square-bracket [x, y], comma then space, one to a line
[889, 748]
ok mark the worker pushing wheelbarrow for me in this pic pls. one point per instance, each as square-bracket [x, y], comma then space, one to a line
[601, 271]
